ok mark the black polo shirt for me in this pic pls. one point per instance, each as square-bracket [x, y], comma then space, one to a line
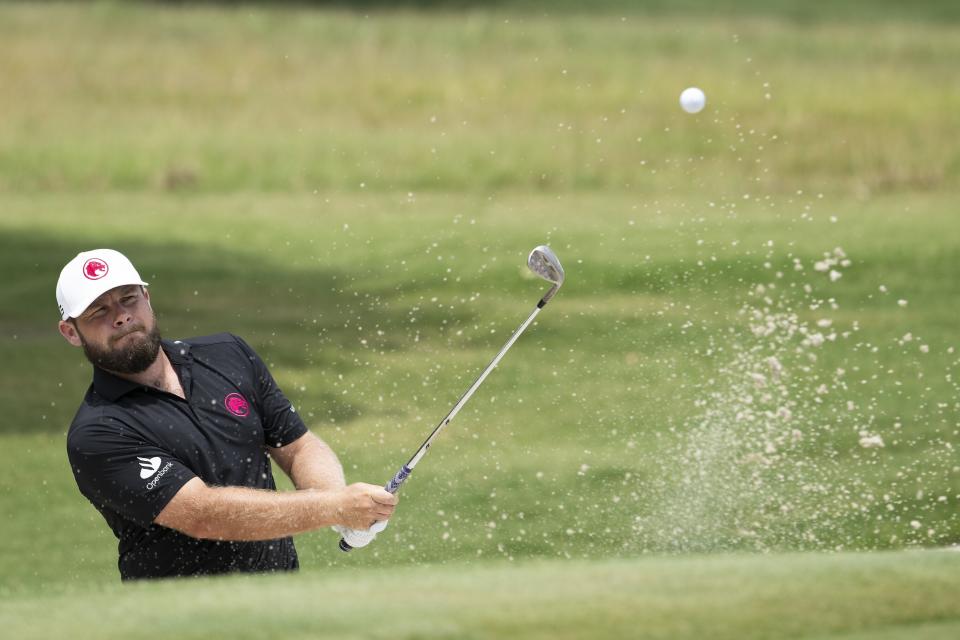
[132, 448]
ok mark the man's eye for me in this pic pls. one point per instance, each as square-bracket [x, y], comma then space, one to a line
[127, 299]
[97, 313]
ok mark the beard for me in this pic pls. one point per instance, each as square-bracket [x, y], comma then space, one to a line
[135, 356]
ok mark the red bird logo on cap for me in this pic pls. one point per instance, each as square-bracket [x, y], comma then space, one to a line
[95, 268]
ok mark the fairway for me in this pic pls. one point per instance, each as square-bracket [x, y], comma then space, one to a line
[739, 418]
[813, 596]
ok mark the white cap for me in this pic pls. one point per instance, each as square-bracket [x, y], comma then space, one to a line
[89, 275]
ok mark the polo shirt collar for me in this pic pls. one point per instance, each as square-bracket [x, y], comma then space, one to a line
[113, 387]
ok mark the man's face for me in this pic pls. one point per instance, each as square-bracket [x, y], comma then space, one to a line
[119, 332]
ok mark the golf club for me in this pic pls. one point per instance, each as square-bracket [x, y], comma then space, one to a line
[543, 262]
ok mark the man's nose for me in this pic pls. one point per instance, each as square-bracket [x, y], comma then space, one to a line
[121, 318]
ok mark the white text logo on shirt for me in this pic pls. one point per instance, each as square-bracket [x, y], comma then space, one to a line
[153, 483]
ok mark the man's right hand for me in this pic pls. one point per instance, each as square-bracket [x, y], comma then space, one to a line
[359, 505]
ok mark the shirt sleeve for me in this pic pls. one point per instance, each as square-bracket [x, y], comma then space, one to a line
[281, 422]
[118, 471]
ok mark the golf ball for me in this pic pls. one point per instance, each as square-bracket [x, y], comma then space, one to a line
[692, 100]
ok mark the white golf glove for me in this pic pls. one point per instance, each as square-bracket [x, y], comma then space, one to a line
[358, 538]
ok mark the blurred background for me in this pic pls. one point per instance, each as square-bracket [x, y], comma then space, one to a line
[755, 349]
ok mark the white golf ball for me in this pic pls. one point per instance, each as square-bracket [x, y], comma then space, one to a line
[692, 100]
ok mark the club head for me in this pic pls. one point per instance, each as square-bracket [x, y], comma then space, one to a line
[545, 263]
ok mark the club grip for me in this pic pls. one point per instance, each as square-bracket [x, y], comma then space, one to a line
[392, 487]
[397, 481]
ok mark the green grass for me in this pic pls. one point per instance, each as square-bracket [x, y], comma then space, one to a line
[354, 192]
[845, 596]
[585, 387]
[406, 101]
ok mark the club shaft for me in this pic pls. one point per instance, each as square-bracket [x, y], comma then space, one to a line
[401, 476]
[466, 396]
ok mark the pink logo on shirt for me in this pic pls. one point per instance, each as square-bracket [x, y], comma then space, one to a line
[237, 405]
[95, 268]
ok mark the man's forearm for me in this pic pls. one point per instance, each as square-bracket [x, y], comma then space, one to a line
[243, 514]
[316, 467]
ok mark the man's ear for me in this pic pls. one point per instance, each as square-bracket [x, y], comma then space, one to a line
[70, 333]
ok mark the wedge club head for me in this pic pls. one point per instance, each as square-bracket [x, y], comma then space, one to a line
[545, 263]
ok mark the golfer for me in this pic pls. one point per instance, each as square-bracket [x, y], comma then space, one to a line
[173, 441]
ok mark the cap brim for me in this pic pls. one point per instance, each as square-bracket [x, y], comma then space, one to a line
[82, 305]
